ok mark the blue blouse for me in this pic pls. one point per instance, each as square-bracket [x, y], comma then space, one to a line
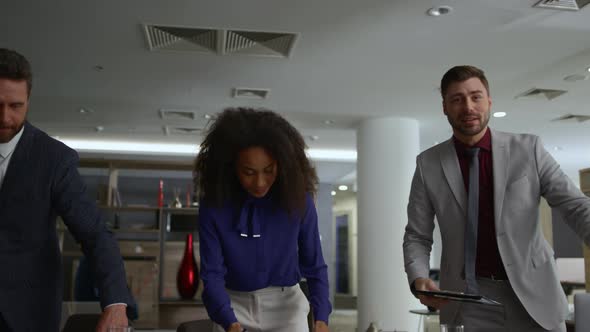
[258, 245]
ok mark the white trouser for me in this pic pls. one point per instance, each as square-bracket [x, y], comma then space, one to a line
[272, 309]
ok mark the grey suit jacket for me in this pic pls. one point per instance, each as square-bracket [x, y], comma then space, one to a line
[523, 171]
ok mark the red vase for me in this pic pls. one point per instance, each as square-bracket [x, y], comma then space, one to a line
[187, 279]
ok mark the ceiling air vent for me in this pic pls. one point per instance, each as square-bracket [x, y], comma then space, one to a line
[249, 93]
[574, 5]
[173, 130]
[577, 117]
[171, 114]
[161, 37]
[274, 44]
[549, 94]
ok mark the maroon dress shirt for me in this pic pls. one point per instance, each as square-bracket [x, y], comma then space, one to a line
[488, 262]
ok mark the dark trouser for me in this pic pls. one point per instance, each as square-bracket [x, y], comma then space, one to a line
[512, 316]
[3, 325]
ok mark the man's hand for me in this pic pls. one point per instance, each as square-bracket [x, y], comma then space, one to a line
[429, 285]
[235, 327]
[320, 326]
[115, 315]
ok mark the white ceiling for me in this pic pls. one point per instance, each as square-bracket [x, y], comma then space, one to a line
[352, 60]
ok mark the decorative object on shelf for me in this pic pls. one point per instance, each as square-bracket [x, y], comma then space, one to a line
[176, 202]
[116, 198]
[188, 195]
[373, 327]
[187, 279]
[161, 194]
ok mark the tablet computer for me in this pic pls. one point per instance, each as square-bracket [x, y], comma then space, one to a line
[458, 296]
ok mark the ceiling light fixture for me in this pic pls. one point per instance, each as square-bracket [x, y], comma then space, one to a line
[333, 193]
[439, 11]
[108, 146]
[343, 187]
[332, 155]
[588, 69]
[499, 114]
[84, 110]
[328, 122]
[130, 147]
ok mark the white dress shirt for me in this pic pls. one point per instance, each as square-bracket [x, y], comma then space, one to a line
[6, 150]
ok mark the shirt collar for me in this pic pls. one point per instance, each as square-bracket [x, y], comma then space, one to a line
[250, 218]
[485, 143]
[7, 148]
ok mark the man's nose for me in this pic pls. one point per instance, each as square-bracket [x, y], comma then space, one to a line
[469, 104]
[3, 113]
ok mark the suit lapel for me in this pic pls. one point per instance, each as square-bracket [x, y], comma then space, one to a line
[500, 160]
[452, 171]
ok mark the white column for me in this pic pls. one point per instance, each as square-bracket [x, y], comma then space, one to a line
[387, 150]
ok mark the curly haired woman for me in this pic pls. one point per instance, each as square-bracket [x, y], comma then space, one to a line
[258, 227]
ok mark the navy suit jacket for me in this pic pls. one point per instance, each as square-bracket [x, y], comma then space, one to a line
[42, 182]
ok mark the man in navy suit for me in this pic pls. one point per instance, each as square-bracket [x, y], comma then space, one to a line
[39, 181]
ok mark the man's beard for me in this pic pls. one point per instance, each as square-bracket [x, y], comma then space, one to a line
[12, 131]
[470, 131]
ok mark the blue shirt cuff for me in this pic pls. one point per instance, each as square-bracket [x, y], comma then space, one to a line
[227, 317]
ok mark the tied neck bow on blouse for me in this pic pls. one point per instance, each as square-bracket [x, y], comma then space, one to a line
[250, 217]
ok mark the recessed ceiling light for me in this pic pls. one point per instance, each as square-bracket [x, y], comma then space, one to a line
[342, 187]
[99, 129]
[328, 122]
[439, 11]
[333, 193]
[84, 110]
[557, 148]
[207, 116]
[588, 69]
[314, 137]
[499, 114]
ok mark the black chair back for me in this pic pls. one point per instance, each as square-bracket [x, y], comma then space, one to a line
[81, 323]
[201, 325]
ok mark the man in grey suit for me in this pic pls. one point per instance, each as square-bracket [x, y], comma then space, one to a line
[484, 186]
[38, 181]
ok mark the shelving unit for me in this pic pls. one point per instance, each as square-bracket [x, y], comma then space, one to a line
[151, 238]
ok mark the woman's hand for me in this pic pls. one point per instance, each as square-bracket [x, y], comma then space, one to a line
[235, 327]
[320, 326]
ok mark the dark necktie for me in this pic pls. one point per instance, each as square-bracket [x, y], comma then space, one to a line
[472, 221]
